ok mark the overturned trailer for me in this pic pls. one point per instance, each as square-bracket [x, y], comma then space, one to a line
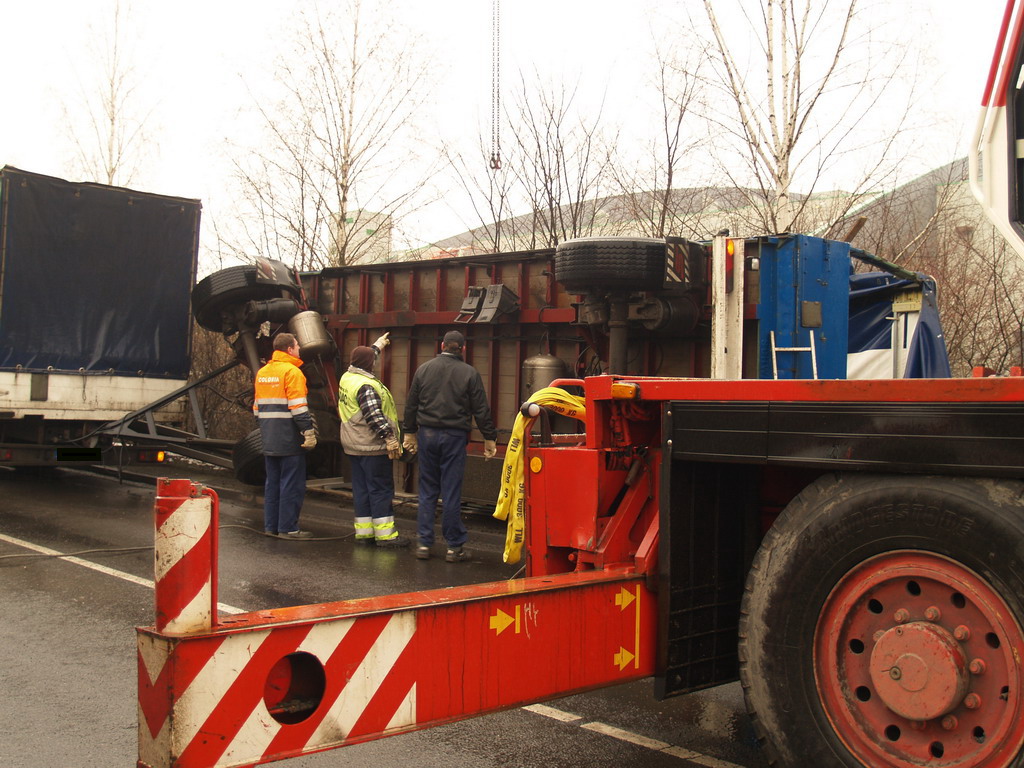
[778, 307]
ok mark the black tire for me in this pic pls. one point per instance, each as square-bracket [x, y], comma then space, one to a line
[845, 532]
[237, 285]
[250, 469]
[324, 460]
[614, 263]
[247, 459]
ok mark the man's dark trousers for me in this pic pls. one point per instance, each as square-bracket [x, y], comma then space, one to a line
[284, 492]
[442, 461]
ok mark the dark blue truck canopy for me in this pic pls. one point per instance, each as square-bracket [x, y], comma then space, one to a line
[94, 277]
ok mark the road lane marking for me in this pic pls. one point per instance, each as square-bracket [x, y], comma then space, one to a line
[627, 736]
[223, 607]
[554, 714]
[632, 738]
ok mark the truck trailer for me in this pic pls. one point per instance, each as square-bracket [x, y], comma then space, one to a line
[94, 313]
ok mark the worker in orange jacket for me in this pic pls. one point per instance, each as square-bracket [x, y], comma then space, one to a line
[288, 431]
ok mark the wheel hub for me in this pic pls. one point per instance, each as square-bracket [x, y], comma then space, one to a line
[917, 663]
[919, 670]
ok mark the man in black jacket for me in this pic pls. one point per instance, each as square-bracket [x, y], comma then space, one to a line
[445, 397]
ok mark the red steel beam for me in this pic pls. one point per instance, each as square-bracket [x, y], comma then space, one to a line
[400, 318]
[991, 389]
[275, 684]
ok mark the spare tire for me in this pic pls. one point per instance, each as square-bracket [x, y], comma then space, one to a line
[247, 459]
[250, 468]
[237, 285]
[622, 263]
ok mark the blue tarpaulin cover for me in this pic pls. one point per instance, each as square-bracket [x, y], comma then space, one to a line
[871, 327]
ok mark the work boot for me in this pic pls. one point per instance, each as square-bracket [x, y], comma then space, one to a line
[457, 555]
[396, 543]
[366, 541]
[423, 552]
[296, 535]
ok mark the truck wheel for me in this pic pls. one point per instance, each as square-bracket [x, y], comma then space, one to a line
[621, 263]
[237, 285]
[881, 625]
[247, 459]
[249, 467]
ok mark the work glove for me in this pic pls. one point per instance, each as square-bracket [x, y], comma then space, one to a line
[394, 448]
[309, 439]
[409, 443]
[382, 342]
[490, 449]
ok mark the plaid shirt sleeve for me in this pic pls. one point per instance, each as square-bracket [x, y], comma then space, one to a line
[372, 408]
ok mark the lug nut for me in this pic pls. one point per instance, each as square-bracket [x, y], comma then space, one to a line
[972, 701]
[918, 725]
[932, 613]
[977, 666]
[878, 635]
[949, 723]
[962, 633]
[901, 616]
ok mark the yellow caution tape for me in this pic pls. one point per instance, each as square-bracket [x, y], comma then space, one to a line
[510, 504]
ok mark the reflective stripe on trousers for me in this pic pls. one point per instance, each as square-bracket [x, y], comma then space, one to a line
[380, 528]
[373, 490]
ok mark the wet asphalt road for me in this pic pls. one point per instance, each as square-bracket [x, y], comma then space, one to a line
[67, 639]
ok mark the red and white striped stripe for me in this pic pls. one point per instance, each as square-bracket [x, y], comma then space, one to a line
[369, 668]
[183, 561]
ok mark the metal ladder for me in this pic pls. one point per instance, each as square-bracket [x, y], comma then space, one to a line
[775, 350]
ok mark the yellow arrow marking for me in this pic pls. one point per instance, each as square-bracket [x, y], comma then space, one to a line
[623, 599]
[636, 639]
[622, 658]
[500, 621]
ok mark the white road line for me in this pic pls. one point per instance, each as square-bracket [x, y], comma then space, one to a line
[632, 738]
[554, 714]
[223, 607]
[628, 736]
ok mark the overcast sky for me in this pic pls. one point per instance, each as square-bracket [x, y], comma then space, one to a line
[196, 57]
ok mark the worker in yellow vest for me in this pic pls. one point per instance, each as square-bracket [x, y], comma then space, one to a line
[371, 439]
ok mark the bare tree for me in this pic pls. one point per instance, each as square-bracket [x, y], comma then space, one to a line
[490, 196]
[981, 290]
[649, 202]
[107, 124]
[331, 176]
[559, 161]
[555, 171]
[798, 105]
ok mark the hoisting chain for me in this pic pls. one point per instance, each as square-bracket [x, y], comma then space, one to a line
[495, 85]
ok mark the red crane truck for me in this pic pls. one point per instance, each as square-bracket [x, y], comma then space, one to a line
[852, 551]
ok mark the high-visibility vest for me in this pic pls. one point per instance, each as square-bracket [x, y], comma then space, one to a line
[357, 437]
[280, 405]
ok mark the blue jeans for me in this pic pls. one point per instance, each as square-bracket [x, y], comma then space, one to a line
[373, 485]
[442, 461]
[283, 492]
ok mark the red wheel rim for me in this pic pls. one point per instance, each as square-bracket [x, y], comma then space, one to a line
[914, 664]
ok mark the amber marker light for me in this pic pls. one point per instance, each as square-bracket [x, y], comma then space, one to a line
[624, 390]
